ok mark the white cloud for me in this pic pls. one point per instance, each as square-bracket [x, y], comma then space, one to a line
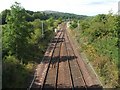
[85, 7]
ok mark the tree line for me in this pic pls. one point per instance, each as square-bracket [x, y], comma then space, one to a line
[43, 15]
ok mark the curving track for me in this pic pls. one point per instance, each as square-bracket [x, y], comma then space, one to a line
[62, 67]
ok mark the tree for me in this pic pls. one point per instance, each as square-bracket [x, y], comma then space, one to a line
[17, 31]
[74, 24]
[3, 15]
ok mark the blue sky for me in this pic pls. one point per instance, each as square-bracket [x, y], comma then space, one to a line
[81, 7]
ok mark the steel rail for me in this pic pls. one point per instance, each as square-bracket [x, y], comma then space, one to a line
[77, 62]
[69, 65]
[35, 71]
[42, 87]
[59, 61]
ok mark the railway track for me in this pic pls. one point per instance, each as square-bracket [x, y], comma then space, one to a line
[52, 74]
[42, 68]
[62, 67]
[76, 74]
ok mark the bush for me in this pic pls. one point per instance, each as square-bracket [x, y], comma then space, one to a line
[14, 73]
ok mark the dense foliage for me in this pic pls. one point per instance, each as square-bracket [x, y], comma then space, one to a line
[25, 39]
[98, 37]
[16, 32]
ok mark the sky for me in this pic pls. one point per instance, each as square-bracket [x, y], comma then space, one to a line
[80, 7]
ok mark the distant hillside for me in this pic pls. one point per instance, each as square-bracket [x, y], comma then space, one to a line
[44, 15]
[64, 15]
[49, 11]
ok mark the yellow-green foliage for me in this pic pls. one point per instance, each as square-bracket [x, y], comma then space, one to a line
[98, 38]
[105, 67]
[30, 67]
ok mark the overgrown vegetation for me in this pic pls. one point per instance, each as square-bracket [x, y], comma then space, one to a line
[23, 44]
[98, 37]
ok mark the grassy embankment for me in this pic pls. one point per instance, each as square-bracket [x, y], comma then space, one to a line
[99, 41]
